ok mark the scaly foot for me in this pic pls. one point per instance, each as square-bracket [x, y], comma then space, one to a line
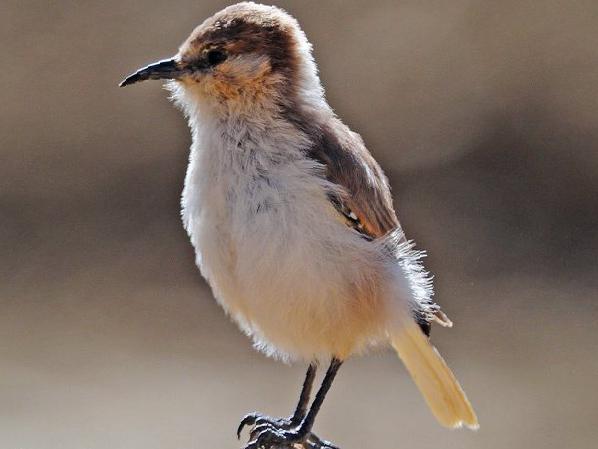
[256, 419]
[267, 432]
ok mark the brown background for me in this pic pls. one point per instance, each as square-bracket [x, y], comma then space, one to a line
[482, 113]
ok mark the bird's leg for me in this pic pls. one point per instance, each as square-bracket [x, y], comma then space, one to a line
[267, 436]
[308, 422]
[257, 419]
[305, 395]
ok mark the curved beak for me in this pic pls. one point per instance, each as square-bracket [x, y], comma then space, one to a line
[162, 70]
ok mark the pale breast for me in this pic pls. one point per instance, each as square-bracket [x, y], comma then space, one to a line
[278, 256]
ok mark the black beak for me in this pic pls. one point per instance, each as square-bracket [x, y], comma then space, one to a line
[166, 69]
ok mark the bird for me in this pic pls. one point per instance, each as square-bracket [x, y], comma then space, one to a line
[292, 219]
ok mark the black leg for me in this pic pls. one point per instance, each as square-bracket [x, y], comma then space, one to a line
[308, 422]
[267, 436]
[301, 409]
[257, 419]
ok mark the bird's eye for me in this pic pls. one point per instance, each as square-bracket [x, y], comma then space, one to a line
[215, 57]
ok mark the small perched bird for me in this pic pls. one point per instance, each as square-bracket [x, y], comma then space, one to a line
[292, 219]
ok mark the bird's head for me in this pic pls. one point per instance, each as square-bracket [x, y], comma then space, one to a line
[244, 54]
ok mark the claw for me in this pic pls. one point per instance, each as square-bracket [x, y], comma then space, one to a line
[248, 420]
[267, 433]
[256, 419]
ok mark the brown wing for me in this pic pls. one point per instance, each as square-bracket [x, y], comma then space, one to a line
[366, 201]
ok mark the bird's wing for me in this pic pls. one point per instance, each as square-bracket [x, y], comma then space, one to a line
[365, 198]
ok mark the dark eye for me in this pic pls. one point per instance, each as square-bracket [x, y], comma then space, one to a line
[215, 57]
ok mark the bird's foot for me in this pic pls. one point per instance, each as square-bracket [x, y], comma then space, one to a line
[265, 436]
[256, 419]
[279, 433]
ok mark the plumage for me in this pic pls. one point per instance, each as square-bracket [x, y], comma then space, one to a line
[349, 164]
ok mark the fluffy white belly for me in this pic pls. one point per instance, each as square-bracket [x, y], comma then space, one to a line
[282, 263]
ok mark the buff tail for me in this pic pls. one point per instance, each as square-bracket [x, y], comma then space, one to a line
[434, 378]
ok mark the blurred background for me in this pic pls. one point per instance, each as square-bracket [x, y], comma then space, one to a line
[482, 113]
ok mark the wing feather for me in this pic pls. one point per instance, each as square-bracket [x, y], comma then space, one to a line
[365, 200]
[365, 188]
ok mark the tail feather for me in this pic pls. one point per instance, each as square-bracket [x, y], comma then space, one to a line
[434, 378]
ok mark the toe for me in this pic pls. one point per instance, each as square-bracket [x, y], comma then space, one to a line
[262, 440]
[315, 442]
[267, 433]
[269, 437]
[248, 420]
